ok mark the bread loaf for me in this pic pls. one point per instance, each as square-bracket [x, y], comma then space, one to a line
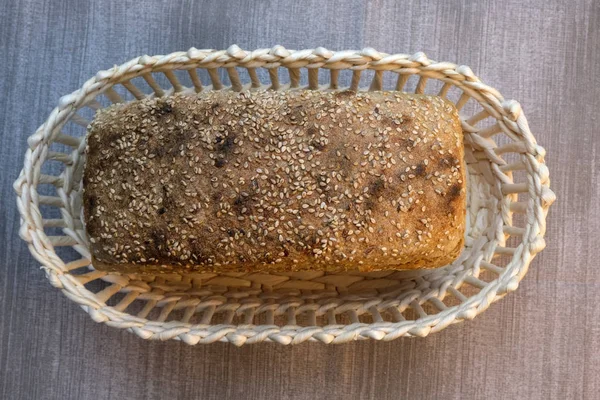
[275, 181]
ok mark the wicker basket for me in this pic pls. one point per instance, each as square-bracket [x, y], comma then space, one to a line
[508, 199]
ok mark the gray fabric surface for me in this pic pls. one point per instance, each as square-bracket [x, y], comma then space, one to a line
[542, 342]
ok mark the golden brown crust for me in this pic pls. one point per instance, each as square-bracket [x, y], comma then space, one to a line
[275, 181]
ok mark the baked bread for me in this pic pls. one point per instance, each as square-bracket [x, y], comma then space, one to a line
[275, 181]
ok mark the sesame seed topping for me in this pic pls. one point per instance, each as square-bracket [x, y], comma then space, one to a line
[286, 179]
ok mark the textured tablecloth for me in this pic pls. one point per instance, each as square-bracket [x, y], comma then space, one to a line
[541, 342]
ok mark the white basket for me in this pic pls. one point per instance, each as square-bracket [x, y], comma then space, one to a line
[508, 199]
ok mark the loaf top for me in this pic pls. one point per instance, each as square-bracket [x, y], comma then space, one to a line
[275, 181]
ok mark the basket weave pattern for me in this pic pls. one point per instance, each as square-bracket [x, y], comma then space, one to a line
[508, 199]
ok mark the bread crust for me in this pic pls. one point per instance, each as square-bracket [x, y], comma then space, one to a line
[275, 181]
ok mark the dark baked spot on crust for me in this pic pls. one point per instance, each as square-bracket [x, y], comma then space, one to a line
[421, 169]
[385, 119]
[369, 250]
[346, 205]
[198, 251]
[158, 236]
[90, 207]
[294, 115]
[178, 140]
[170, 145]
[454, 192]
[375, 190]
[317, 145]
[216, 196]
[167, 200]
[451, 195]
[90, 204]
[322, 186]
[406, 120]
[315, 141]
[376, 187]
[143, 141]
[164, 108]
[159, 244]
[310, 240]
[161, 151]
[448, 161]
[220, 162]
[345, 94]
[341, 162]
[225, 144]
[267, 257]
[242, 202]
[405, 142]
[403, 122]
[109, 135]
[239, 201]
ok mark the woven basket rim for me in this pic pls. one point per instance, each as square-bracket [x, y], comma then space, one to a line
[509, 112]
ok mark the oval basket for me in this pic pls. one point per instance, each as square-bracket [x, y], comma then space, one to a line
[508, 199]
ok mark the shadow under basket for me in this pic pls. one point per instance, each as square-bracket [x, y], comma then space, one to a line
[508, 199]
